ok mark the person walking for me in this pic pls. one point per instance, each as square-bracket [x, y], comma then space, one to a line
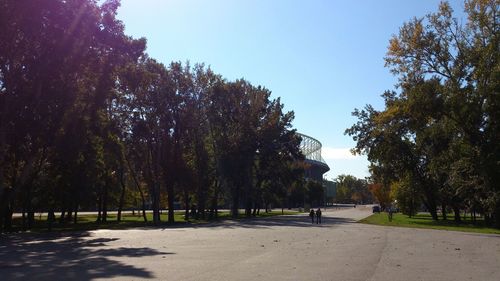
[390, 211]
[311, 214]
[318, 216]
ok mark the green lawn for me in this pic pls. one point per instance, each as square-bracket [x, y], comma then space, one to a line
[88, 222]
[425, 221]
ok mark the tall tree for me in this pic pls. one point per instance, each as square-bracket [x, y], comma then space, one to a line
[446, 113]
[54, 56]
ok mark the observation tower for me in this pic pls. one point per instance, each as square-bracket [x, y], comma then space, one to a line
[311, 148]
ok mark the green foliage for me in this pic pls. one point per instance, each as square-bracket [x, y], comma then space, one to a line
[439, 134]
[89, 121]
[406, 197]
[352, 190]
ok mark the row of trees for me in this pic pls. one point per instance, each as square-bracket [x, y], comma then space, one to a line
[437, 141]
[352, 190]
[89, 121]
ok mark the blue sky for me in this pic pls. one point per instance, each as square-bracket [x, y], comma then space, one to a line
[323, 58]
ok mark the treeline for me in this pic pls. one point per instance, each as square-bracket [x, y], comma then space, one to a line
[352, 190]
[89, 122]
[437, 141]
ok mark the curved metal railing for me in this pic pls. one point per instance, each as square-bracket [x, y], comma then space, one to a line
[311, 148]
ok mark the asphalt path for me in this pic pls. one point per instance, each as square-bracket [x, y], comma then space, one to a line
[276, 248]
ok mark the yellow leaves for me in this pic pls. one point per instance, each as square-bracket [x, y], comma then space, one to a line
[417, 34]
[482, 13]
[392, 112]
[381, 193]
[404, 49]
[394, 46]
[445, 9]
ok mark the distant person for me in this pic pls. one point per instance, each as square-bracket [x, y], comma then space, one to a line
[390, 211]
[311, 214]
[318, 216]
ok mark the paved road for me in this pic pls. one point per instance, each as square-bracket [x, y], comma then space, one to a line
[280, 248]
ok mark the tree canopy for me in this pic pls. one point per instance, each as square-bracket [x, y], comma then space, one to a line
[88, 121]
[437, 139]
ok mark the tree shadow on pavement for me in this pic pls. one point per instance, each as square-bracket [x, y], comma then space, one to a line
[285, 221]
[68, 256]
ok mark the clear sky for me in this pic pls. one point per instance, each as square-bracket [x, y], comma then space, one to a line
[322, 57]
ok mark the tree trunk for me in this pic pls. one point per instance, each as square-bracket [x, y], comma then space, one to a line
[104, 217]
[76, 205]
[50, 219]
[3, 189]
[99, 207]
[6, 210]
[201, 207]
[26, 208]
[75, 216]
[213, 209]
[456, 210]
[23, 219]
[69, 215]
[497, 216]
[31, 217]
[170, 198]
[248, 184]
[430, 204]
[8, 218]
[202, 182]
[122, 195]
[186, 206]
[156, 204]
[3, 205]
[433, 212]
[144, 208]
[62, 218]
[235, 199]
[443, 211]
[429, 195]
[138, 186]
[487, 219]
[248, 209]
[248, 200]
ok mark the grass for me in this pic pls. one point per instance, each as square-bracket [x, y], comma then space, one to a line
[88, 221]
[425, 221]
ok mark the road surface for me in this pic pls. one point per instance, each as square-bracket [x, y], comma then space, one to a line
[277, 248]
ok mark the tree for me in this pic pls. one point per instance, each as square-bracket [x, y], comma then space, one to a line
[445, 113]
[89, 121]
[51, 68]
[352, 190]
[382, 194]
[405, 195]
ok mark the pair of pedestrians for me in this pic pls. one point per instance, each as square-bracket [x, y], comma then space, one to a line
[318, 216]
